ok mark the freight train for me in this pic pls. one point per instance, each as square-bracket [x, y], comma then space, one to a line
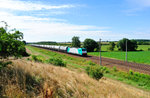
[71, 50]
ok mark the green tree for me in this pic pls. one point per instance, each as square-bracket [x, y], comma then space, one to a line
[111, 46]
[76, 42]
[90, 44]
[11, 43]
[131, 45]
[24, 42]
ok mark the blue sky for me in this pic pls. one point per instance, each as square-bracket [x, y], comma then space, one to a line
[60, 20]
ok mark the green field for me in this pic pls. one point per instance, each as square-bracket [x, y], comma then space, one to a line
[137, 56]
[140, 47]
[143, 47]
[133, 56]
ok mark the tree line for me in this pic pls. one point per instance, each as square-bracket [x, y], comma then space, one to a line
[91, 45]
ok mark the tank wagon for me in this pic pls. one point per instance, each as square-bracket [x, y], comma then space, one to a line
[71, 50]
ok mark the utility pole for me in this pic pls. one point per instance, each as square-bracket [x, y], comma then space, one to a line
[126, 51]
[100, 51]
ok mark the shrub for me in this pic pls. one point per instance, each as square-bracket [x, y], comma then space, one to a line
[57, 62]
[104, 69]
[131, 72]
[114, 69]
[36, 59]
[70, 58]
[148, 49]
[91, 63]
[94, 72]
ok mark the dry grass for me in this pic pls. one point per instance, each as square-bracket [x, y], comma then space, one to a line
[60, 82]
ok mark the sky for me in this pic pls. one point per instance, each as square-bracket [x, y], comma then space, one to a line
[60, 20]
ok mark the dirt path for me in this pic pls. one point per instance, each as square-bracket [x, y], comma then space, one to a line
[28, 51]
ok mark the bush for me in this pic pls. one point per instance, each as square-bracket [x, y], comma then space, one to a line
[36, 58]
[130, 72]
[94, 72]
[91, 63]
[104, 69]
[148, 49]
[57, 62]
[114, 69]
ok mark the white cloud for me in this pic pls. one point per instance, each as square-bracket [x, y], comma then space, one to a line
[36, 29]
[39, 28]
[28, 6]
[51, 13]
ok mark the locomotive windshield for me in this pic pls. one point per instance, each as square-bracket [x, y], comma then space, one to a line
[83, 49]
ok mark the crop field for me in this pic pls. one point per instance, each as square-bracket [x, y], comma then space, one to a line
[137, 57]
[140, 47]
[81, 64]
[133, 56]
[143, 47]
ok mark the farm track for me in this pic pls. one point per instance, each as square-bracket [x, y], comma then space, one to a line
[121, 65]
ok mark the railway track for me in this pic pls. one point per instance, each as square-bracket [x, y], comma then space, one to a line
[122, 65]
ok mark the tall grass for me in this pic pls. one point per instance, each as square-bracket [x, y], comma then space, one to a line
[137, 79]
[32, 79]
[16, 83]
[4, 64]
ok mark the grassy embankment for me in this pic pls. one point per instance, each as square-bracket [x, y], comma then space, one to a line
[80, 64]
[133, 56]
[25, 79]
